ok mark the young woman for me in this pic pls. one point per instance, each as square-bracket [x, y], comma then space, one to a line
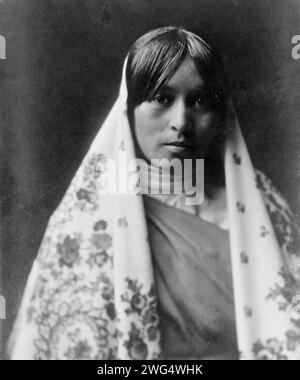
[148, 275]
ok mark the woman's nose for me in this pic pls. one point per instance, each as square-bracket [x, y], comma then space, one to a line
[179, 117]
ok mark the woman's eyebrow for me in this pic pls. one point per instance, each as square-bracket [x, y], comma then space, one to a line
[198, 89]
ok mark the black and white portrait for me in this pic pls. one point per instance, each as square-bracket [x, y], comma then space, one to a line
[149, 179]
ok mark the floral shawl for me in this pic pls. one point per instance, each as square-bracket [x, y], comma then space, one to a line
[91, 291]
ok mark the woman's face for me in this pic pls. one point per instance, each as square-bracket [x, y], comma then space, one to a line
[176, 123]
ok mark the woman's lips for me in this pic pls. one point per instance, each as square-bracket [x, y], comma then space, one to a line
[177, 146]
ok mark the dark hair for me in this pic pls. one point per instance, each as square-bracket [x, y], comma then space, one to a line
[154, 58]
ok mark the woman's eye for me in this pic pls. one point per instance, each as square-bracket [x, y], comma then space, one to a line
[164, 100]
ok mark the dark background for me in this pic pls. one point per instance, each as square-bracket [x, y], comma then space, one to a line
[61, 76]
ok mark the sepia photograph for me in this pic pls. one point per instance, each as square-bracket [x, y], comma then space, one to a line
[149, 180]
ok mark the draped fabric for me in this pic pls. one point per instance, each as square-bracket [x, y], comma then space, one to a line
[92, 292]
[191, 260]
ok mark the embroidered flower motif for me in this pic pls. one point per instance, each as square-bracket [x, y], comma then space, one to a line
[74, 328]
[41, 345]
[137, 349]
[108, 292]
[83, 194]
[42, 355]
[138, 302]
[45, 332]
[283, 293]
[95, 157]
[248, 311]
[260, 184]
[122, 222]
[241, 207]
[87, 170]
[101, 241]
[111, 311]
[100, 225]
[237, 159]
[101, 166]
[133, 285]
[68, 251]
[142, 309]
[293, 339]
[285, 225]
[274, 345]
[81, 351]
[244, 258]
[272, 349]
[264, 232]
[150, 316]
[152, 332]
[101, 258]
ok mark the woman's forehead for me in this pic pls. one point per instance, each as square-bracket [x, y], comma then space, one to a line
[186, 78]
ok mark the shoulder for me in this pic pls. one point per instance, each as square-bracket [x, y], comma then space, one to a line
[284, 221]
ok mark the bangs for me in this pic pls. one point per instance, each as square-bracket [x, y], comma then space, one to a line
[152, 61]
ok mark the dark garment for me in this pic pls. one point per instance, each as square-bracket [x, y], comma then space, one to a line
[191, 260]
